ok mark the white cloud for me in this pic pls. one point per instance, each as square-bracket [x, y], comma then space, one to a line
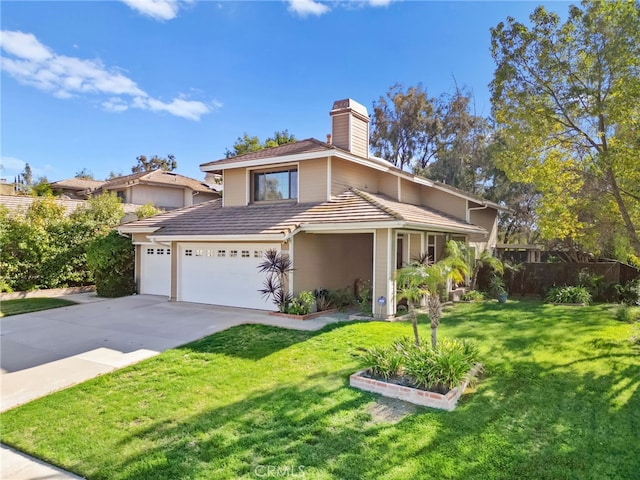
[9, 165]
[379, 3]
[308, 7]
[156, 9]
[34, 64]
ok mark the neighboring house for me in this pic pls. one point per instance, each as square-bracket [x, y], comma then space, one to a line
[18, 205]
[342, 216]
[166, 190]
[75, 188]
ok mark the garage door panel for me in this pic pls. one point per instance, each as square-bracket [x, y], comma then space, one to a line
[222, 274]
[155, 266]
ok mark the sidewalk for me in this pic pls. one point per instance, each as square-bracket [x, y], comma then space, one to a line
[18, 466]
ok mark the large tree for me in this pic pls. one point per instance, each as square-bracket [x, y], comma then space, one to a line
[154, 163]
[248, 144]
[404, 127]
[566, 96]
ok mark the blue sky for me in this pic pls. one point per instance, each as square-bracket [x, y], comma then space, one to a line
[95, 84]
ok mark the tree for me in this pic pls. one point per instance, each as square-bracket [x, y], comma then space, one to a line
[27, 175]
[154, 163]
[247, 144]
[566, 98]
[404, 127]
[42, 188]
[84, 174]
[426, 278]
[148, 210]
[277, 265]
[111, 258]
[113, 174]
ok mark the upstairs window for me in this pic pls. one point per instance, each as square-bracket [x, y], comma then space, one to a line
[280, 185]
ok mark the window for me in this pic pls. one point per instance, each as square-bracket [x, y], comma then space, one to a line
[160, 251]
[257, 254]
[431, 247]
[209, 253]
[188, 252]
[168, 251]
[199, 253]
[233, 253]
[149, 251]
[222, 253]
[121, 195]
[280, 185]
[245, 253]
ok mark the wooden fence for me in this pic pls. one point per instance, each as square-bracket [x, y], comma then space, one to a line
[537, 278]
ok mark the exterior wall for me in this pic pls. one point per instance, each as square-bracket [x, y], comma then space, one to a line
[359, 137]
[388, 185]
[345, 175]
[410, 192]
[312, 180]
[444, 202]
[487, 218]
[235, 187]
[139, 238]
[204, 197]
[383, 274]
[350, 257]
[415, 245]
[187, 197]
[340, 131]
[159, 196]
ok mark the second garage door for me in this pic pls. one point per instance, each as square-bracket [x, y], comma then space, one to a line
[222, 274]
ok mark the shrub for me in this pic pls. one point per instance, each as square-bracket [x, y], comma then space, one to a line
[436, 369]
[323, 299]
[302, 304]
[472, 296]
[383, 362]
[629, 293]
[342, 298]
[111, 259]
[568, 294]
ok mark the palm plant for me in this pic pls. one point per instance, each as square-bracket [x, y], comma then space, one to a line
[277, 266]
[419, 279]
[486, 259]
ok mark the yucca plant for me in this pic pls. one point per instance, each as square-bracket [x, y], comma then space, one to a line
[277, 265]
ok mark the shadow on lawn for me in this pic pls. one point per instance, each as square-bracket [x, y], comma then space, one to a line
[533, 423]
[256, 341]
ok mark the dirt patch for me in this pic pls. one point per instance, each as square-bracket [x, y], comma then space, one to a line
[390, 410]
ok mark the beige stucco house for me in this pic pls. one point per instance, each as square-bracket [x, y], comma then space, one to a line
[166, 190]
[341, 214]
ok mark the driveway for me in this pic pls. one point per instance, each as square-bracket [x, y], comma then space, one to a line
[45, 351]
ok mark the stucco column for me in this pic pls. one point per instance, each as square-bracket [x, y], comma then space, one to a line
[384, 263]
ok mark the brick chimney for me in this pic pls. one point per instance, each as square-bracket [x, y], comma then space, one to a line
[350, 127]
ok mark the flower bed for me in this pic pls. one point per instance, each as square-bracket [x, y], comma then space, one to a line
[447, 401]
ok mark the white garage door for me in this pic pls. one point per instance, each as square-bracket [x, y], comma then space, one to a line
[155, 269]
[222, 274]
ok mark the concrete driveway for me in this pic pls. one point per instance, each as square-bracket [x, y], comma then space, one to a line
[42, 352]
[45, 351]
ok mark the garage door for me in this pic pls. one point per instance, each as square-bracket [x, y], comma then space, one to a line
[222, 274]
[155, 269]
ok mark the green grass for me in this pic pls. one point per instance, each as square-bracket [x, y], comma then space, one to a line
[26, 305]
[560, 400]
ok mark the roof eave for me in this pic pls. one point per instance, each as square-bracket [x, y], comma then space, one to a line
[259, 237]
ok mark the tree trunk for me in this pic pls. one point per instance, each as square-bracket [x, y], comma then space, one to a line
[434, 337]
[615, 190]
[414, 323]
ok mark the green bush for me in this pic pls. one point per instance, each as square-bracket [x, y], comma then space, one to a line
[472, 296]
[342, 298]
[568, 294]
[629, 293]
[302, 304]
[111, 259]
[436, 369]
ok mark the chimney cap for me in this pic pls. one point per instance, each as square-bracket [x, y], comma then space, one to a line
[340, 106]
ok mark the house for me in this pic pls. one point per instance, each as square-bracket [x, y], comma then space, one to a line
[166, 190]
[340, 214]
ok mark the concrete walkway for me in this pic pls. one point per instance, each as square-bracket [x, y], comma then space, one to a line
[42, 352]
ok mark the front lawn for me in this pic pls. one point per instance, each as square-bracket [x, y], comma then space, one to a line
[26, 305]
[560, 400]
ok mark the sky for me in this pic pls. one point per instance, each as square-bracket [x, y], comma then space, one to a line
[94, 84]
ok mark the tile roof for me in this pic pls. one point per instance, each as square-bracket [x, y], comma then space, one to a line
[302, 146]
[351, 207]
[157, 177]
[77, 184]
[18, 204]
